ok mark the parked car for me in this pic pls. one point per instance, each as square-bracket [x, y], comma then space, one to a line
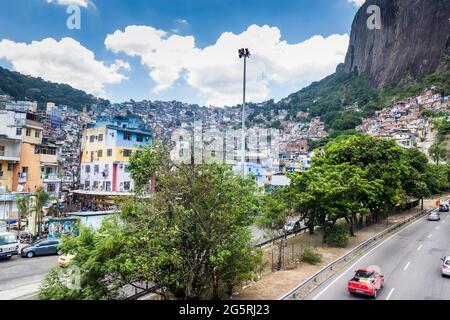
[434, 216]
[292, 227]
[445, 267]
[65, 260]
[42, 248]
[444, 208]
[9, 245]
[366, 282]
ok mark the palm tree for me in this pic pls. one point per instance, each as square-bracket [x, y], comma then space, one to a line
[23, 203]
[40, 198]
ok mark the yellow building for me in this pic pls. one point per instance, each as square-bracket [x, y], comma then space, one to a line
[9, 159]
[27, 174]
[106, 149]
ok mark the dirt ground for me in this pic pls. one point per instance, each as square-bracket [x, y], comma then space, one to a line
[273, 285]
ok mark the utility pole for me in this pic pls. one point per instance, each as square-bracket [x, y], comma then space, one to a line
[243, 53]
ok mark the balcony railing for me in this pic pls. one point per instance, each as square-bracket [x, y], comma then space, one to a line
[51, 177]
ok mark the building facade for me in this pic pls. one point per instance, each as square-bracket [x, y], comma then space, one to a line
[107, 147]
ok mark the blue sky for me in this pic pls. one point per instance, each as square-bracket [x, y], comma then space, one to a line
[172, 53]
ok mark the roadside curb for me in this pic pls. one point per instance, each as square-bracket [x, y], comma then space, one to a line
[310, 284]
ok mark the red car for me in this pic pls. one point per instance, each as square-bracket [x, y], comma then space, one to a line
[367, 282]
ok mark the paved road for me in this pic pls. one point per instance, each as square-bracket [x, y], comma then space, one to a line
[409, 260]
[21, 277]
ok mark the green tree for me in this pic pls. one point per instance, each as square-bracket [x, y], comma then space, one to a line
[275, 212]
[381, 158]
[191, 235]
[328, 193]
[437, 153]
[39, 199]
[23, 209]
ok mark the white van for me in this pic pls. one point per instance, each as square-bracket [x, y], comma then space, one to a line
[9, 245]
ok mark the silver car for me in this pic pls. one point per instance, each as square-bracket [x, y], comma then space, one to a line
[434, 216]
[445, 267]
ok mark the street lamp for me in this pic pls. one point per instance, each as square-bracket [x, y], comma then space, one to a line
[244, 53]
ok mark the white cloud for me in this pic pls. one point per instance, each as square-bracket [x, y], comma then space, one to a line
[65, 61]
[216, 71]
[81, 3]
[357, 3]
[182, 21]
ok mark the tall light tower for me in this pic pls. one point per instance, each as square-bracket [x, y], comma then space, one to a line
[244, 53]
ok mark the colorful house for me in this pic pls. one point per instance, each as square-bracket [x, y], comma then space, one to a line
[106, 149]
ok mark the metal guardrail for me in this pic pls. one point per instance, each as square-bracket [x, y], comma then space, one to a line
[325, 273]
[290, 235]
[145, 292]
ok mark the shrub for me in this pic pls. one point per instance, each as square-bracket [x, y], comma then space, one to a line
[336, 236]
[310, 256]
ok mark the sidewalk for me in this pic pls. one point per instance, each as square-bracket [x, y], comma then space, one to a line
[273, 285]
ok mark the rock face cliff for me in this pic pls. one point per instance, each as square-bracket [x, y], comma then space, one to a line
[413, 39]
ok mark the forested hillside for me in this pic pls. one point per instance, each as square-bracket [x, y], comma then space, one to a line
[22, 87]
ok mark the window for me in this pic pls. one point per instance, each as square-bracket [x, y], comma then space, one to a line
[100, 137]
[140, 138]
[87, 185]
[100, 153]
[91, 139]
[127, 153]
[25, 170]
[10, 166]
[28, 132]
[51, 187]
[108, 186]
[96, 169]
[37, 134]
[127, 185]
[109, 152]
[2, 151]
[87, 169]
[18, 131]
[127, 136]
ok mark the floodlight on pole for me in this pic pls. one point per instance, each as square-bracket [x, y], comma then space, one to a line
[243, 53]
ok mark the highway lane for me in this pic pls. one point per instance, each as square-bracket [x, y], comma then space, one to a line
[409, 260]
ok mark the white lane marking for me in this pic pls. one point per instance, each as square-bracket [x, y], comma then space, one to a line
[429, 237]
[357, 261]
[390, 294]
[407, 265]
[438, 227]
[420, 247]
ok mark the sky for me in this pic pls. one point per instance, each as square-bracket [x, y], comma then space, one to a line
[185, 50]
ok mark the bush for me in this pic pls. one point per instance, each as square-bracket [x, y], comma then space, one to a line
[310, 256]
[336, 236]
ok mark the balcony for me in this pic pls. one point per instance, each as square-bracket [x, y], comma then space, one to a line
[49, 159]
[23, 177]
[9, 149]
[9, 155]
[51, 177]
